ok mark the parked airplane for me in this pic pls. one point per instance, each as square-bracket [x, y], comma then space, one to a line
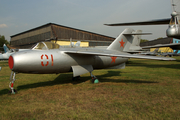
[154, 53]
[170, 54]
[49, 58]
[172, 31]
[6, 54]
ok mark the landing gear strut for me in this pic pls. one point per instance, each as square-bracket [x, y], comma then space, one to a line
[12, 80]
[94, 78]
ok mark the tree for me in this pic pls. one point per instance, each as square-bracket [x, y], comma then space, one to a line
[143, 40]
[2, 42]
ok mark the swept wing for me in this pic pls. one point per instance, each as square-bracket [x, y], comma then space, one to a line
[115, 54]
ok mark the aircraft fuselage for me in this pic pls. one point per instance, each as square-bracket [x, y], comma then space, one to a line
[56, 61]
[173, 31]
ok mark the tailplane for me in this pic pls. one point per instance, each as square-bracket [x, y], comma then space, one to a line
[127, 41]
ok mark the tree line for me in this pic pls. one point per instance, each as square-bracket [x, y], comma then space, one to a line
[2, 42]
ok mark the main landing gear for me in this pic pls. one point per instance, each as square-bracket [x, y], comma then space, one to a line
[12, 80]
[94, 78]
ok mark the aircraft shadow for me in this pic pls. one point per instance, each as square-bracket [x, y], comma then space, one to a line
[104, 78]
[67, 78]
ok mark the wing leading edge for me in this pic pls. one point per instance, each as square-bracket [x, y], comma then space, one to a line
[116, 54]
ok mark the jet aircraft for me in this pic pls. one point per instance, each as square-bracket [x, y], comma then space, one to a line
[154, 53]
[170, 54]
[6, 54]
[49, 58]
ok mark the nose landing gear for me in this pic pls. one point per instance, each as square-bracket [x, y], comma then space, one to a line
[11, 84]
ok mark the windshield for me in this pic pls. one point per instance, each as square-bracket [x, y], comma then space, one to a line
[174, 20]
[51, 45]
[46, 46]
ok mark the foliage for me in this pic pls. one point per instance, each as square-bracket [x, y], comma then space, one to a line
[160, 38]
[2, 42]
[143, 40]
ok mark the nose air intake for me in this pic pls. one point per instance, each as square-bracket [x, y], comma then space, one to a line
[11, 62]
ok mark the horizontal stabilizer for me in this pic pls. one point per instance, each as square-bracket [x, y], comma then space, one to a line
[138, 34]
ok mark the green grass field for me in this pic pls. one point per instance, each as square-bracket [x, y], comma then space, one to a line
[145, 89]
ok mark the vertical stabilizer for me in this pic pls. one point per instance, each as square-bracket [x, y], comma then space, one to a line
[137, 38]
[123, 41]
[156, 50]
[5, 48]
[135, 46]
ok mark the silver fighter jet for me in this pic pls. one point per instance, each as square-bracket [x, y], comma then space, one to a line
[49, 58]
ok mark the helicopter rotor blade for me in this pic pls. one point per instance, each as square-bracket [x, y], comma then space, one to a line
[151, 22]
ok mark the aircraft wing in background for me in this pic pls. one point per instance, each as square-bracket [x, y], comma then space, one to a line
[174, 46]
[151, 22]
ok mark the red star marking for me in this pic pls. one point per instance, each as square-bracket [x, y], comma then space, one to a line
[122, 43]
[113, 59]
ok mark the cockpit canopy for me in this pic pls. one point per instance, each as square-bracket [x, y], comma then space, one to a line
[174, 20]
[45, 46]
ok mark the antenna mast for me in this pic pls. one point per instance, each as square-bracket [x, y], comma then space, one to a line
[173, 6]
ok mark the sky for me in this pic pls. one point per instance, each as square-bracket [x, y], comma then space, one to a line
[17, 16]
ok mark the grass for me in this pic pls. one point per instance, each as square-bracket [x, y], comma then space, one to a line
[145, 89]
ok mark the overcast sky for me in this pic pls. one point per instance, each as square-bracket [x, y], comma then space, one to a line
[17, 16]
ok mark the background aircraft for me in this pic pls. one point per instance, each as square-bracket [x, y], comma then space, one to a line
[49, 58]
[174, 23]
[6, 54]
[154, 53]
[170, 54]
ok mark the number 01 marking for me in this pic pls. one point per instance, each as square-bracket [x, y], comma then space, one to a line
[47, 63]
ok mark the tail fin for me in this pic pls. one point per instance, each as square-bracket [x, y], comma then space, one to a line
[156, 50]
[128, 40]
[122, 42]
[137, 38]
[5, 48]
[78, 43]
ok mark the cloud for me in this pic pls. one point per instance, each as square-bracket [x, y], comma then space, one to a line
[3, 25]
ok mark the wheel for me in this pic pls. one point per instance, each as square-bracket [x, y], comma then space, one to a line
[95, 80]
[15, 91]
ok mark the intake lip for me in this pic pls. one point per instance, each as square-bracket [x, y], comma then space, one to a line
[11, 62]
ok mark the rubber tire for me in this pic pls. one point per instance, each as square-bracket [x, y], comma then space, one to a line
[15, 91]
[95, 80]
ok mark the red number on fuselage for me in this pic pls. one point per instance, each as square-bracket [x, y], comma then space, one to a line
[47, 60]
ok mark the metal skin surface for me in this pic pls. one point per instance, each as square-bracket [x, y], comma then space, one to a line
[31, 62]
[173, 31]
[5, 56]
